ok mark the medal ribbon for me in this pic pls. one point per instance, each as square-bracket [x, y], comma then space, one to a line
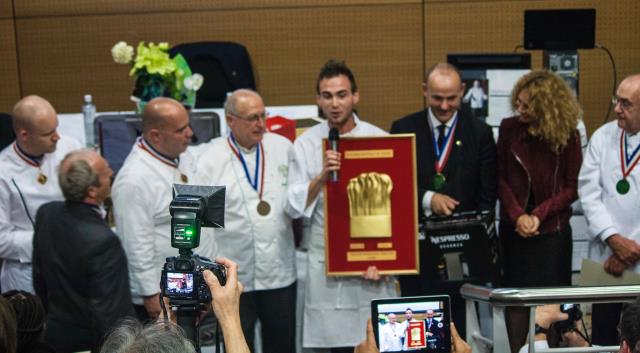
[145, 146]
[236, 150]
[627, 163]
[142, 143]
[443, 156]
[32, 161]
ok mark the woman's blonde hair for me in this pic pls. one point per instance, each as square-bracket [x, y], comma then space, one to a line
[553, 103]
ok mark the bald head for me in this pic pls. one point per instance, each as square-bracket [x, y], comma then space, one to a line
[165, 125]
[443, 89]
[28, 110]
[158, 111]
[442, 69]
[35, 123]
[632, 82]
[85, 176]
[627, 109]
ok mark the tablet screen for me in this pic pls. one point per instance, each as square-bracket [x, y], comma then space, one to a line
[419, 324]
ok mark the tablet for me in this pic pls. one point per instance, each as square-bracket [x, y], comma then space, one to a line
[418, 324]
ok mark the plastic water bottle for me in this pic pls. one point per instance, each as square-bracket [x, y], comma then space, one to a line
[89, 113]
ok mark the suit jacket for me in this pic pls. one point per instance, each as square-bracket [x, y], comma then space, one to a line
[471, 169]
[80, 273]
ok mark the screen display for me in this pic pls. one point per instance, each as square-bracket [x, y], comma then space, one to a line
[488, 92]
[419, 324]
[180, 283]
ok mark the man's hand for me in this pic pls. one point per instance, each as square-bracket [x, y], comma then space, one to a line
[458, 345]
[614, 265]
[548, 314]
[627, 250]
[369, 344]
[442, 204]
[226, 300]
[226, 306]
[152, 305]
[372, 274]
[574, 339]
[331, 163]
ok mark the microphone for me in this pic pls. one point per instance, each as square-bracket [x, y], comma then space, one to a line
[334, 136]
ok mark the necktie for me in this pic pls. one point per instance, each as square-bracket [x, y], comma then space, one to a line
[441, 132]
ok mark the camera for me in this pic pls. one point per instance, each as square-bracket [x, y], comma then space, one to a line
[575, 314]
[193, 207]
[182, 278]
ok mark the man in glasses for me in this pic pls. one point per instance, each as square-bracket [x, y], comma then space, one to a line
[142, 192]
[609, 190]
[253, 165]
[28, 179]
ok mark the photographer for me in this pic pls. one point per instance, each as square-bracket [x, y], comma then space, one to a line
[165, 337]
[226, 306]
[548, 315]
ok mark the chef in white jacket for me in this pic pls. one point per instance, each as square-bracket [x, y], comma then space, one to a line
[253, 166]
[141, 194]
[335, 308]
[609, 190]
[29, 178]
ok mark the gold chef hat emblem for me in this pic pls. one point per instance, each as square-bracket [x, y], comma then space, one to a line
[370, 205]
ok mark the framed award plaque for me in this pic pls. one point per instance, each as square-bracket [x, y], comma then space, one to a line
[371, 212]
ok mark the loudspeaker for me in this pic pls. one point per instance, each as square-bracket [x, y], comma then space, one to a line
[565, 64]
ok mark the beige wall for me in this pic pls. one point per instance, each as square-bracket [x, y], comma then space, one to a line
[9, 84]
[63, 46]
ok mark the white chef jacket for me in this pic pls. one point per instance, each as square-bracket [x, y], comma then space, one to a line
[262, 246]
[141, 196]
[19, 203]
[391, 337]
[331, 304]
[608, 212]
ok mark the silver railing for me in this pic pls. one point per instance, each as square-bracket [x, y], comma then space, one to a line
[499, 299]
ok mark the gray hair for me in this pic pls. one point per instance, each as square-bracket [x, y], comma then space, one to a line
[159, 337]
[76, 176]
[231, 103]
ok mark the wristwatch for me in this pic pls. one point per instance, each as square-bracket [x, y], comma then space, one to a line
[540, 329]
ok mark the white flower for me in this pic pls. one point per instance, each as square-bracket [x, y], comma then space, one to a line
[193, 82]
[122, 53]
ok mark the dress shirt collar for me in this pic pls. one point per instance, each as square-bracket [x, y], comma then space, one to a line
[434, 122]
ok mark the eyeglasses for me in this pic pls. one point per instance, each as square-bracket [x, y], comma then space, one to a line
[625, 104]
[252, 118]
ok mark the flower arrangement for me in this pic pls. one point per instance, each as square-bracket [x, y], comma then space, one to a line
[157, 74]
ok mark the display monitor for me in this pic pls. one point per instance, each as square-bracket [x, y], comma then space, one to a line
[489, 79]
[564, 29]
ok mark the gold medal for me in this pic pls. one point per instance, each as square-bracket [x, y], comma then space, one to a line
[263, 208]
[42, 179]
[184, 178]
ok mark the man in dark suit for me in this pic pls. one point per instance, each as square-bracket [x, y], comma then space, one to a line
[79, 266]
[456, 162]
[466, 180]
[434, 331]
